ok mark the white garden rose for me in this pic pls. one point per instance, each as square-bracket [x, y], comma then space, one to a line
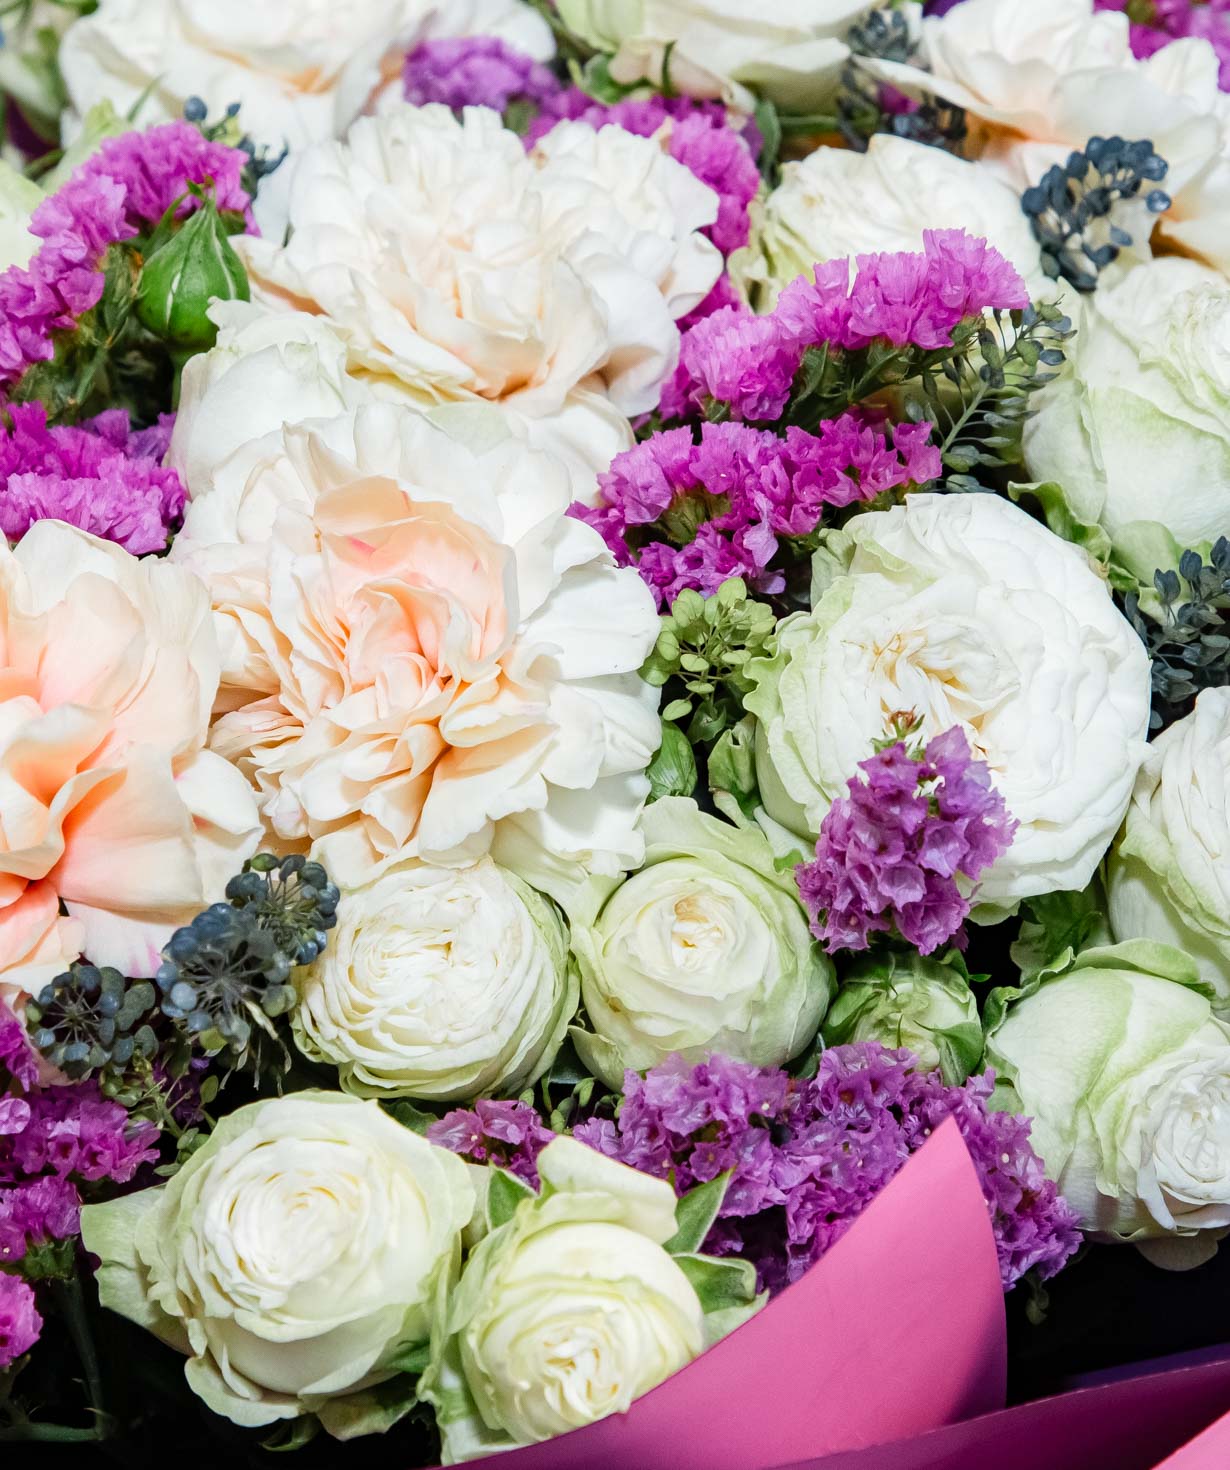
[572, 1308]
[837, 203]
[1136, 428]
[422, 653]
[29, 32]
[967, 612]
[792, 52]
[301, 70]
[457, 268]
[295, 1257]
[1039, 80]
[19, 198]
[1169, 876]
[444, 984]
[1125, 1071]
[706, 949]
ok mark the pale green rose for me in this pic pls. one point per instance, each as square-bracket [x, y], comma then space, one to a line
[19, 198]
[705, 949]
[1136, 427]
[578, 1301]
[963, 611]
[904, 1000]
[297, 1259]
[1169, 875]
[791, 52]
[837, 203]
[1125, 1070]
[439, 983]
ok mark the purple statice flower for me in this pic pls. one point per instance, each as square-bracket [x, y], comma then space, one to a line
[697, 134]
[893, 853]
[75, 1131]
[100, 477]
[125, 187]
[35, 1212]
[17, 1057]
[742, 360]
[509, 1135]
[807, 1156]
[690, 514]
[20, 1323]
[475, 71]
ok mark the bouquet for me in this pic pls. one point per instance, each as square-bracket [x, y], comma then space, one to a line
[613, 617]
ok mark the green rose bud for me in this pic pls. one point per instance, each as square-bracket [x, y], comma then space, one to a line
[706, 949]
[923, 1005]
[195, 267]
[580, 1300]
[297, 1259]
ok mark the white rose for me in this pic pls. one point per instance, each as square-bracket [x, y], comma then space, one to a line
[573, 1308]
[294, 1258]
[1169, 876]
[1135, 426]
[838, 203]
[1125, 1072]
[19, 198]
[28, 38]
[792, 52]
[706, 949]
[301, 70]
[1039, 80]
[966, 611]
[423, 652]
[458, 269]
[439, 983]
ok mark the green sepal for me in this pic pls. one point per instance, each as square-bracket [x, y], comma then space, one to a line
[504, 1194]
[695, 1214]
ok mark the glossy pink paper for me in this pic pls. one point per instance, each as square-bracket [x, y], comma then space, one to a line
[1210, 1452]
[898, 1330]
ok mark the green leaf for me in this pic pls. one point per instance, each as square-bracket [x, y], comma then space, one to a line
[409, 1116]
[960, 1049]
[720, 1285]
[672, 772]
[695, 1214]
[504, 1194]
[374, 1411]
[292, 1436]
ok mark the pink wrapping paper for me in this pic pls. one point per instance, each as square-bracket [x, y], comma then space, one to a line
[899, 1329]
[1210, 1452]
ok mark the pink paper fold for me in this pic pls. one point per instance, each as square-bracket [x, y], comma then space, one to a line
[899, 1329]
[1211, 1451]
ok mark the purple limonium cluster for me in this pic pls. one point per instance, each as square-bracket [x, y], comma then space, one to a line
[475, 71]
[689, 514]
[101, 477]
[509, 1135]
[892, 853]
[20, 1323]
[808, 1156]
[124, 188]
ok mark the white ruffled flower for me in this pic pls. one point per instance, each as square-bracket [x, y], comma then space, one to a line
[19, 198]
[1169, 877]
[1039, 80]
[446, 984]
[301, 70]
[423, 653]
[837, 203]
[1135, 428]
[966, 611]
[458, 269]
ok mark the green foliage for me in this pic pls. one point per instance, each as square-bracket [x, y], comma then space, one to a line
[672, 772]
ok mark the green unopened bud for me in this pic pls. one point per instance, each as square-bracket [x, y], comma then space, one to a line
[196, 266]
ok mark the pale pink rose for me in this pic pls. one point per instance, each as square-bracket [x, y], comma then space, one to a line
[423, 653]
[110, 805]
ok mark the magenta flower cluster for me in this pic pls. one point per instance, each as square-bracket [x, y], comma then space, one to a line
[508, 1135]
[475, 71]
[20, 1323]
[689, 514]
[892, 853]
[808, 1156]
[101, 477]
[124, 188]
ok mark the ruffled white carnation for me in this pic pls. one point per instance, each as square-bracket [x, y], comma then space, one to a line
[422, 653]
[966, 611]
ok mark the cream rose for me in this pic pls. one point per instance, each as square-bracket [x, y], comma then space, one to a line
[792, 52]
[301, 70]
[458, 269]
[573, 1307]
[445, 984]
[109, 802]
[1135, 426]
[1040, 80]
[705, 949]
[837, 203]
[1169, 876]
[293, 1259]
[423, 654]
[19, 198]
[966, 611]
